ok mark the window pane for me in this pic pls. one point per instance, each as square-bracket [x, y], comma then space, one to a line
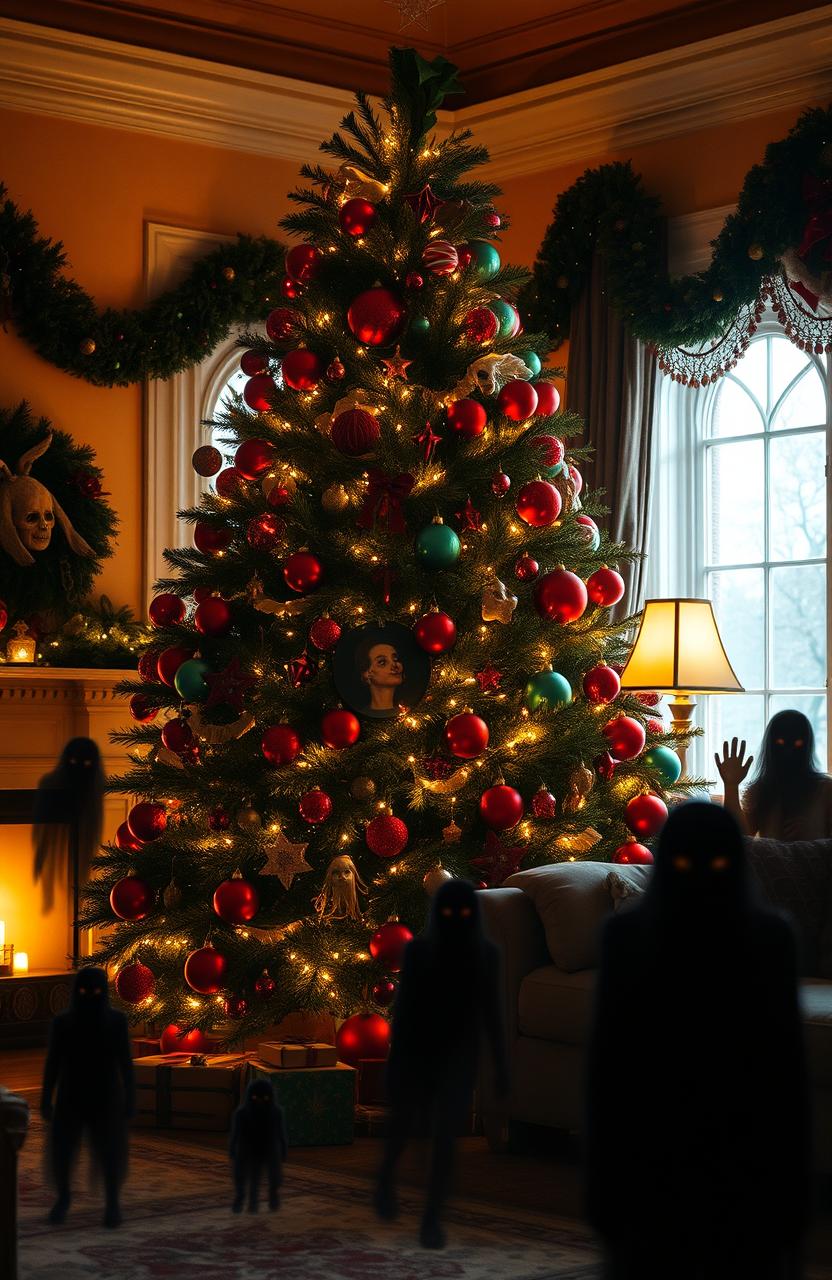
[798, 630]
[735, 502]
[798, 497]
[786, 364]
[804, 406]
[737, 597]
[740, 716]
[813, 706]
[736, 413]
[751, 370]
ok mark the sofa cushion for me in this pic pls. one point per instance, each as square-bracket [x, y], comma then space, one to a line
[573, 900]
[555, 1005]
[796, 877]
[816, 1004]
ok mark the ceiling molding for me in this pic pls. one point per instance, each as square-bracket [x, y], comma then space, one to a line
[777, 64]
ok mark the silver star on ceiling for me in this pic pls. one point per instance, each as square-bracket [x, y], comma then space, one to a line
[411, 11]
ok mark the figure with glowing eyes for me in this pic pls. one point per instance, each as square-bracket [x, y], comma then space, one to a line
[788, 798]
[381, 673]
[448, 1002]
[257, 1145]
[76, 787]
[696, 1089]
[88, 1088]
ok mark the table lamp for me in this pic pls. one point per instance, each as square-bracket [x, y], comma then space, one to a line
[678, 651]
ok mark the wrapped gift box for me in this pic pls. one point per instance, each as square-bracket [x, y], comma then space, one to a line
[172, 1093]
[297, 1053]
[318, 1102]
[144, 1046]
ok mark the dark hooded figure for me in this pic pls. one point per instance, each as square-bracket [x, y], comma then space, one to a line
[73, 791]
[448, 999]
[258, 1142]
[88, 1086]
[697, 1099]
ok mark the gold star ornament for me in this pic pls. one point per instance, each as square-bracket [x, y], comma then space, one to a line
[396, 366]
[285, 860]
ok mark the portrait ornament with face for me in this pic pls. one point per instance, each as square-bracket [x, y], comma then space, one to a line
[28, 512]
[338, 899]
[379, 670]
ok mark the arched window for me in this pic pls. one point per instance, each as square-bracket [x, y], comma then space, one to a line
[740, 517]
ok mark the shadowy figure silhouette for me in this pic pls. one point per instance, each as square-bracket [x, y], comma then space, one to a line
[80, 778]
[89, 1070]
[258, 1142]
[789, 798]
[448, 998]
[697, 1100]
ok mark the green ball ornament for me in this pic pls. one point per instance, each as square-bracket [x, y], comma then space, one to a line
[530, 359]
[437, 546]
[506, 315]
[666, 763]
[419, 325]
[485, 259]
[548, 689]
[189, 680]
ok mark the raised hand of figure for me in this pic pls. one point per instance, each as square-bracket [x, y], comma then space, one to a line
[733, 767]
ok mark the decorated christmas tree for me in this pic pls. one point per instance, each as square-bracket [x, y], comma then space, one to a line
[389, 658]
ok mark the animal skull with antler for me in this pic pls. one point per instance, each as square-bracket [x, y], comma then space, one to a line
[28, 512]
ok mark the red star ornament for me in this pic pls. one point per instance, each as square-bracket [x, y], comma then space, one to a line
[396, 366]
[428, 440]
[228, 687]
[499, 861]
[489, 678]
[424, 203]
[470, 520]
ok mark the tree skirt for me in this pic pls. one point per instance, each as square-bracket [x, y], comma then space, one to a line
[178, 1225]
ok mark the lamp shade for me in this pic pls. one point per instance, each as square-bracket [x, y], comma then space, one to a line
[678, 649]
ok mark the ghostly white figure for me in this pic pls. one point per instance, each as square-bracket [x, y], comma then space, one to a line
[28, 512]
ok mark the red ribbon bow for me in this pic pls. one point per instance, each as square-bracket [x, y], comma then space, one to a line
[385, 495]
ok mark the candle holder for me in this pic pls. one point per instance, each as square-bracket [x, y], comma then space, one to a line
[20, 963]
[6, 959]
[22, 647]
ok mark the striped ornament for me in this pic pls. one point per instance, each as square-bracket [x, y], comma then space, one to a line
[440, 257]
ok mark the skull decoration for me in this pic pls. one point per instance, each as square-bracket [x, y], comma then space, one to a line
[489, 373]
[28, 512]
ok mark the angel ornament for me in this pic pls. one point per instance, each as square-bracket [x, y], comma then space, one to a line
[338, 899]
[28, 512]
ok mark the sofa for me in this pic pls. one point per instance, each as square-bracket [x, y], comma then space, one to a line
[547, 923]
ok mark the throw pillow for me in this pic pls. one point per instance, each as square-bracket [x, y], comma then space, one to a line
[573, 900]
[623, 892]
[796, 877]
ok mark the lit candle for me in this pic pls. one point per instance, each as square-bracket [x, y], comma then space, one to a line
[22, 647]
[21, 962]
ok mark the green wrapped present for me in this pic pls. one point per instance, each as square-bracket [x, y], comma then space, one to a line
[318, 1102]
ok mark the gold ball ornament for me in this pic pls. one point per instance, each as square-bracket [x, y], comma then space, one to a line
[228, 273]
[249, 819]
[334, 499]
[452, 834]
[362, 788]
[434, 878]
[718, 295]
[756, 252]
[581, 780]
[87, 347]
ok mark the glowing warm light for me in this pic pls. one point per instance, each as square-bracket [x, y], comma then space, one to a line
[21, 962]
[2, 933]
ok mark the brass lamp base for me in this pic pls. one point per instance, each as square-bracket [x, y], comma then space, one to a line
[682, 707]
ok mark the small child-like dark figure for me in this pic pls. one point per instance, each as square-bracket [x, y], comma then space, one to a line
[258, 1142]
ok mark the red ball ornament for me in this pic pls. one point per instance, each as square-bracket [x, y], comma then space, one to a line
[174, 1040]
[500, 484]
[236, 901]
[177, 735]
[501, 807]
[517, 400]
[357, 216]
[589, 530]
[126, 840]
[281, 744]
[645, 815]
[253, 362]
[258, 392]
[135, 983]
[386, 836]
[335, 370]
[142, 710]
[544, 804]
[170, 660]
[492, 220]
[213, 617]
[413, 280]
[626, 737]
[550, 450]
[290, 288]
[279, 496]
[147, 666]
[376, 317]
[576, 478]
[303, 263]
[219, 819]
[548, 399]
[340, 729]
[206, 460]
[435, 632]
[466, 257]
[281, 324]
[131, 898]
[480, 325]
[325, 633]
[384, 992]
[601, 684]
[388, 943]
[364, 1035]
[147, 821]
[633, 854]
[355, 432]
[315, 807]
[209, 538]
[604, 765]
[205, 970]
[605, 587]
[466, 736]
[303, 572]
[302, 369]
[560, 596]
[467, 417]
[227, 482]
[538, 504]
[263, 532]
[440, 257]
[166, 610]
[526, 568]
[265, 985]
[254, 458]
[235, 1007]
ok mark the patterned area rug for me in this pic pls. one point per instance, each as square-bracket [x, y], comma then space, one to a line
[178, 1225]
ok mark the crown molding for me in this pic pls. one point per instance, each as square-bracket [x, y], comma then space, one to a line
[787, 62]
